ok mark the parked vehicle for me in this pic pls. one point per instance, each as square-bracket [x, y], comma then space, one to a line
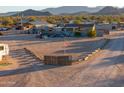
[5, 29]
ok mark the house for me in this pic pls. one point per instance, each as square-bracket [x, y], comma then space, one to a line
[83, 28]
[38, 26]
[58, 28]
[23, 25]
[84, 22]
[105, 28]
[108, 26]
[40, 23]
[121, 25]
[101, 28]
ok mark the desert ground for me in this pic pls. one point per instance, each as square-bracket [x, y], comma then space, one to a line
[103, 69]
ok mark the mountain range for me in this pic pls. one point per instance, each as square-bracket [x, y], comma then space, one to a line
[72, 9]
[69, 10]
[8, 14]
[31, 12]
[109, 10]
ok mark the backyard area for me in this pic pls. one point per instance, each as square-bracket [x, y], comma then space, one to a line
[24, 69]
[76, 47]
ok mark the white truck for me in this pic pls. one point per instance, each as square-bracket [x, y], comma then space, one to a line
[4, 50]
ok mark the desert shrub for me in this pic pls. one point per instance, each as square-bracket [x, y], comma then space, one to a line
[1, 34]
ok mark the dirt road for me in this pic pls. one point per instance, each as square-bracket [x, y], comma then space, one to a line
[104, 69]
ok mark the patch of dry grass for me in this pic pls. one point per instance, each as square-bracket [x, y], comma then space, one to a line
[7, 63]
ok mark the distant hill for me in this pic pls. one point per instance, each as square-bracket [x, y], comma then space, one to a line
[122, 10]
[72, 9]
[109, 10]
[31, 12]
[7, 14]
[77, 13]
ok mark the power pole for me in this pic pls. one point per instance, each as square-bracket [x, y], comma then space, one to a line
[21, 19]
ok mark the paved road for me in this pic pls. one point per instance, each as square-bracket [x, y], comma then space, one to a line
[104, 69]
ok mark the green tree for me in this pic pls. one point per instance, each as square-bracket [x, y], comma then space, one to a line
[77, 22]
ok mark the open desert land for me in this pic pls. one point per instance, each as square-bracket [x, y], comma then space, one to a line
[103, 69]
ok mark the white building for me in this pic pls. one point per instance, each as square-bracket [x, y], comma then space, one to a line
[4, 50]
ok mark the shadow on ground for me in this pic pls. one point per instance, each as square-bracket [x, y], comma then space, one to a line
[110, 61]
[27, 63]
[116, 82]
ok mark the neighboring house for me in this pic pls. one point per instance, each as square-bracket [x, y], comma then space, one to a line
[101, 29]
[121, 25]
[58, 28]
[23, 25]
[89, 22]
[84, 22]
[105, 28]
[70, 29]
[83, 28]
[39, 24]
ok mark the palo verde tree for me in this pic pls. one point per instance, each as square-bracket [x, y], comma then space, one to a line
[92, 32]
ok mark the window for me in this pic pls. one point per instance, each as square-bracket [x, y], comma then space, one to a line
[1, 48]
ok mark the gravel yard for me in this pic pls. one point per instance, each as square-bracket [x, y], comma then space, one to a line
[77, 48]
[30, 71]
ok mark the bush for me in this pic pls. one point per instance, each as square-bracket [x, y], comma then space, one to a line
[77, 34]
[92, 33]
